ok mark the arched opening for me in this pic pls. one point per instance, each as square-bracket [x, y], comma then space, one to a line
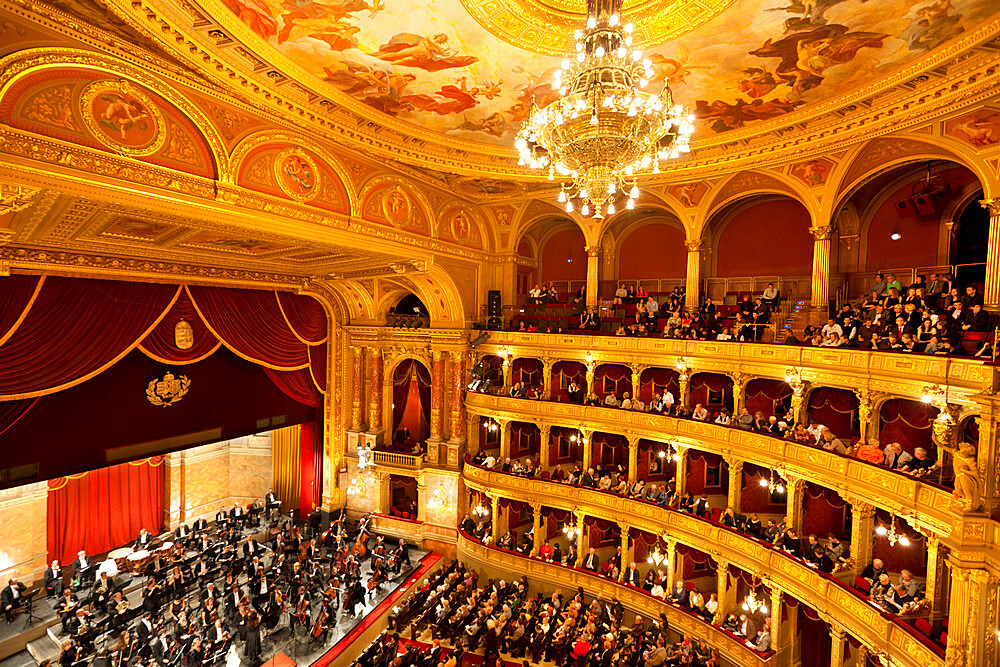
[908, 423]
[836, 409]
[565, 373]
[769, 397]
[644, 248]
[612, 379]
[714, 391]
[968, 250]
[409, 313]
[403, 494]
[411, 406]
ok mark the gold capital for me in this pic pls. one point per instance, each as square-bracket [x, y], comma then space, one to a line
[992, 205]
[821, 232]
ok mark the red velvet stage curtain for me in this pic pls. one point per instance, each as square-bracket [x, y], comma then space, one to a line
[310, 467]
[896, 558]
[908, 423]
[251, 324]
[411, 396]
[823, 513]
[763, 394]
[16, 294]
[814, 638]
[161, 343]
[612, 379]
[524, 439]
[655, 380]
[304, 316]
[834, 408]
[11, 411]
[528, 371]
[564, 372]
[297, 385]
[702, 384]
[104, 509]
[75, 329]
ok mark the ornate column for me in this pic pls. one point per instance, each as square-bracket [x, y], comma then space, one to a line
[588, 449]
[684, 386]
[547, 365]
[421, 499]
[499, 519]
[981, 481]
[972, 616]
[991, 291]
[692, 299]
[866, 402]
[681, 469]
[357, 386]
[798, 402]
[862, 527]
[936, 574]
[384, 493]
[739, 389]
[539, 531]
[505, 430]
[820, 300]
[671, 563]
[735, 482]
[633, 459]
[626, 550]
[473, 431]
[725, 592]
[374, 390]
[457, 397]
[777, 636]
[593, 270]
[582, 539]
[544, 446]
[636, 374]
[837, 638]
[795, 492]
[437, 396]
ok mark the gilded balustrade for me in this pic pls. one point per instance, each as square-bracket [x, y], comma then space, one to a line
[479, 556]
[825, 594]
[897, 375]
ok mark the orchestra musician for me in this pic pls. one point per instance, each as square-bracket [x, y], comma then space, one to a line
[102, 592]
[54, 580]
[271, 502]
[199, 525]
[12, 597]
[143, 540]
[216, 636]
[118, 608]
[66, 608]
[182, 532]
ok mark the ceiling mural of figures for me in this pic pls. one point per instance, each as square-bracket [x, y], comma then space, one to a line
[434, 65]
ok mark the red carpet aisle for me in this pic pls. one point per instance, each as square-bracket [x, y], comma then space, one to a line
[426, 563]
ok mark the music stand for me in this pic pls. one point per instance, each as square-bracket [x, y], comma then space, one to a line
[29, 609]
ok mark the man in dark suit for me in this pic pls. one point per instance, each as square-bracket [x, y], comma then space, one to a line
[746, 627]
[977, 320]
[182, 532]
[143, 540]
[80, 564]
[587, 478]
[199, 525]
[54, 580]
[271, 501]
[592, 562]
[632, 576]
[144, 628]
[12, 597]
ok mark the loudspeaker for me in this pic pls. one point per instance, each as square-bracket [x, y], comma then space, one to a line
[494, 306]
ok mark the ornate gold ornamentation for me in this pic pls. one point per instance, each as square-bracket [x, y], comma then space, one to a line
[53, 106]
[122, 117]
[183, 335]
[296, 174]
[396, 205]
[168, 390]
[14, 198]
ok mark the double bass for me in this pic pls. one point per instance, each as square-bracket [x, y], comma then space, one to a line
[319, 627]
[360, 545]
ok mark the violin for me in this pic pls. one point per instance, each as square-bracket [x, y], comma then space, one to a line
[319, 627]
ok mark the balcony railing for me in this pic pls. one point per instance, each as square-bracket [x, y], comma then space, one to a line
[824, 593]
[397, 459]
[925, 503]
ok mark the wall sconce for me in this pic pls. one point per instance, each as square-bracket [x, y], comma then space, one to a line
[590, 358]
[505, 355]
[357, 487]
[439, 500]
[793, 376]
[656, 557]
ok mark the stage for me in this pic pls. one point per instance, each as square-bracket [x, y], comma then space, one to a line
[28, 646]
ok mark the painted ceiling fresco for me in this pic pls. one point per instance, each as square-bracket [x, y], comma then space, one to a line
[432, 64]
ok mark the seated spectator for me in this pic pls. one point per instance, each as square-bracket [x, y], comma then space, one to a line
[920, 463]
[744, 420]
[574, 392]
[879, 286]
[895, 457]
[723, 417]
[626, 403]
[977, 320]
[907, 582]
[760, 423]
[611, 401]
[870, 451]
[700, 413]
[835, 549]
[897, 599]
[832, 443]
[873, 571]
[592, 399]
[620, 294]
[535, 295]
[620, 331]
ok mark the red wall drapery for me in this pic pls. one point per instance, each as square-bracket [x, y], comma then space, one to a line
[654, 380]
[411, 398]
[612, 379]
[763, 394]
[160, 344]
[908, 423]
[754, 497]
[524, 439]
[564, 372]
[823, 513]
[528, 371]
[703, 383]
[104, 509]
[834, 408]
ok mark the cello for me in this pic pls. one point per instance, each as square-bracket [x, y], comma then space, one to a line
[319, 627]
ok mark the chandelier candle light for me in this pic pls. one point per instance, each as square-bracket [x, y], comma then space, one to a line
[604, 129]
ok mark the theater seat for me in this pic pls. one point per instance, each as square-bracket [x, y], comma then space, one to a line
[943, 639]
[545, 474]
[923, 627]
[716, 513]
[862, 585]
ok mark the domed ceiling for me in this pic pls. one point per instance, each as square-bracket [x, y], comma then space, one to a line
[471, 68]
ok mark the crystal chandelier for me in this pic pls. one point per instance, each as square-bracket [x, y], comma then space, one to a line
[892, 535]
[481, 511]
[604, 129]
[656, 557]
[773, 486]
[571, 530]
[752, 605]
[670, 452]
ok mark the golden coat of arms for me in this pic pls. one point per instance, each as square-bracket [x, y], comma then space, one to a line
[183, 335]
[168, 390]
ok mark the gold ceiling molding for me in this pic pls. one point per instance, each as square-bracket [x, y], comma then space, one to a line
[547, 26]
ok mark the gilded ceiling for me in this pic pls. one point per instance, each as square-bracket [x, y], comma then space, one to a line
[441, 67]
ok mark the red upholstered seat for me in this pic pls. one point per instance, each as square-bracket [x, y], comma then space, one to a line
[545, 474]
[923, 627]
[689, 586]
[943, 639]
[716, 513]
[862, 585]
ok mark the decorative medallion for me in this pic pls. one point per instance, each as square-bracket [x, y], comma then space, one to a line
[460, 226]
[183, 335]
[396, 205]
[168, 390]
[122, 117]
[296, 174]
